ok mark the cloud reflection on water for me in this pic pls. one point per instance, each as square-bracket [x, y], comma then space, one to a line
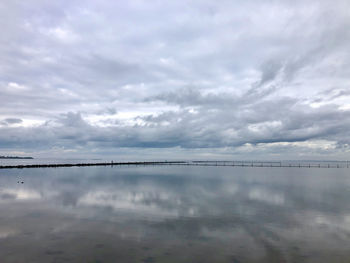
[262, 210]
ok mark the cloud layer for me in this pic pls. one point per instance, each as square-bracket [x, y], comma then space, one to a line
[249, 79]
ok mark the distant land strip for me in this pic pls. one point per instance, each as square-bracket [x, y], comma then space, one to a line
[15, 157]
[190, 163]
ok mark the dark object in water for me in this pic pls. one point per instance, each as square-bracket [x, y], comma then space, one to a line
[87, 164]
[16, 157]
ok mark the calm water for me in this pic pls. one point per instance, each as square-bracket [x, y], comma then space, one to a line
[175, 214]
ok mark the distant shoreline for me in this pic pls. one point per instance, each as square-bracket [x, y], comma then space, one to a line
[16, 157]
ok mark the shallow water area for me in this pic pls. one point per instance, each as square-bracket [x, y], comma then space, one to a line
[175, 214]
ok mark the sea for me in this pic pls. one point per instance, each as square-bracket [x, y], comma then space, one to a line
[175, 213]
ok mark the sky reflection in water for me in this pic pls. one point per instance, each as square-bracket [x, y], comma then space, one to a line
[175, 214]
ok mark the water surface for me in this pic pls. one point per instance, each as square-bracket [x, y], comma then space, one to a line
[175, 214]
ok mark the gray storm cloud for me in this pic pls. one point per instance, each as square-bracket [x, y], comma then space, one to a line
[251, 78]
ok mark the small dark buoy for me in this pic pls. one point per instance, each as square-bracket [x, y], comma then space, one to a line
[22, 182]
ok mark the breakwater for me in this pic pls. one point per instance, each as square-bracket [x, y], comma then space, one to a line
[285, 164]
[85, 164]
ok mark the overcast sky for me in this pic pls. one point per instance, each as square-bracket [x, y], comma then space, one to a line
[175, 79]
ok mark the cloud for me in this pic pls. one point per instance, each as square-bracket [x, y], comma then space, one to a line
[191, 75]
[10, 121]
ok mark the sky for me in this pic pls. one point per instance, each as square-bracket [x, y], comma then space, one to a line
[175, 79]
